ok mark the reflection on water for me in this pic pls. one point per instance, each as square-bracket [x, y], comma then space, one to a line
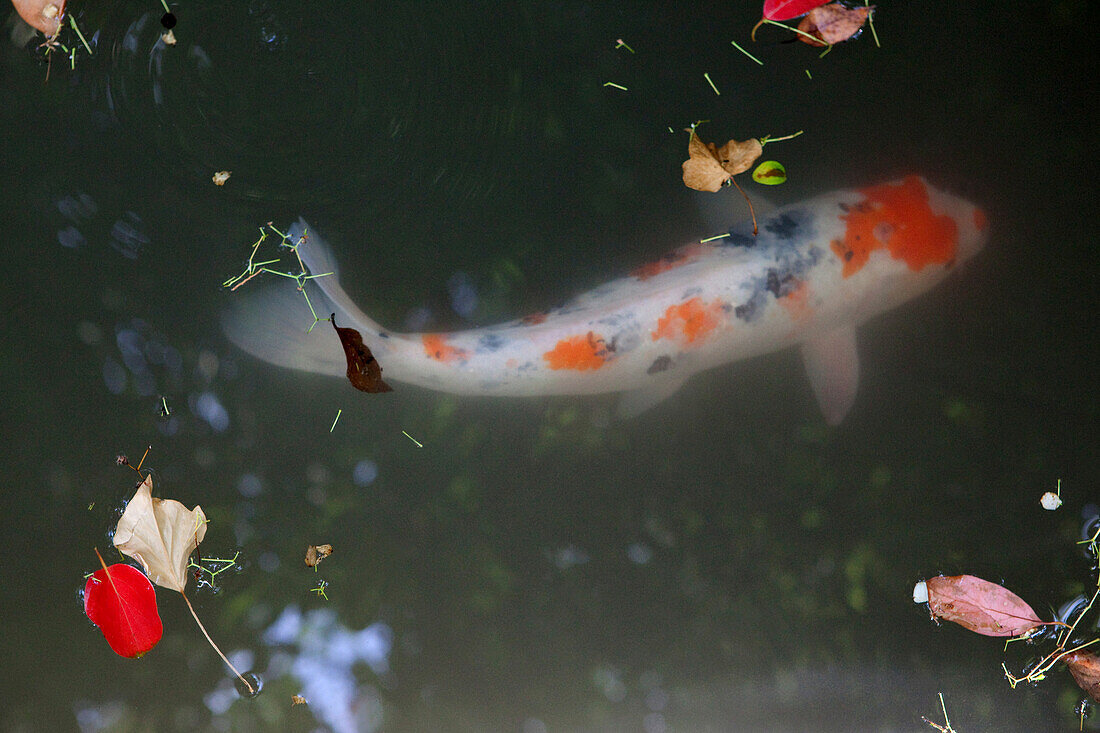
[321, 652]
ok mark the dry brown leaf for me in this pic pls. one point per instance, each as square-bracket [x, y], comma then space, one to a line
[1085, 668]
[983, 607]
[833, 23]
[297, 700]
[364, 371]
[316, 553]
[160, 534]
[709, 167]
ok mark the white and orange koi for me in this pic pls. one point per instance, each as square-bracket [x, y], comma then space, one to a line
[815, 272]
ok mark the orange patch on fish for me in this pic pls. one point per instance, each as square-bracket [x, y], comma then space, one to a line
[980, 220]
[899, 219]
[579, 353]
[690, 322]
[437, 348]
[676, 258]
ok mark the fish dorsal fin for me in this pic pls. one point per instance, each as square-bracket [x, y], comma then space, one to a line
[832, 365]
[637, 401]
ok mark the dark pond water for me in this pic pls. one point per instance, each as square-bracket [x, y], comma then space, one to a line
[725, 561]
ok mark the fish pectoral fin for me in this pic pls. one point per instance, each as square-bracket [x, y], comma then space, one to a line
[832, 365]
[637, 401]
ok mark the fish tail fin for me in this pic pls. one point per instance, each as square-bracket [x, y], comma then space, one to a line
[317, 256]
[274, 322]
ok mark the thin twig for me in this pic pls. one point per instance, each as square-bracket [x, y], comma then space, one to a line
[251, 690]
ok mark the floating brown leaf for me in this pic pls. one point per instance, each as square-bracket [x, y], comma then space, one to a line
[297, 700]
[1085, 668]
[364, 371]
[160, 534]
[833, 23]
[316, 553]
[983, 607]
[708, 167]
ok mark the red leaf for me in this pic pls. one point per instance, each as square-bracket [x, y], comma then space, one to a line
[787, 9]
[1085, 668]
[983, 607]
[121, 601]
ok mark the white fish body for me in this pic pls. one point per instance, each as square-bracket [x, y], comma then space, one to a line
[816, 270]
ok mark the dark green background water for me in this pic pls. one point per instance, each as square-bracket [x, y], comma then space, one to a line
[725, 561]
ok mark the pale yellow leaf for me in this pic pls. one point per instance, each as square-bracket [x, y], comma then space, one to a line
[160, 534]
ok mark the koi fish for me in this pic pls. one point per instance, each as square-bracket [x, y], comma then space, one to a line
[816, 271]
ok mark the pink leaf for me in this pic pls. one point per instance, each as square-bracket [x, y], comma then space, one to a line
[983, 607]
[787, 9]
[833, 23]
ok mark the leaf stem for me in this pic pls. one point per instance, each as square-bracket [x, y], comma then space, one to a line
[735, 45]
[871, 23]
[225, 659]
[752, 211]
[707, 77]
[769, 139]
[72, 22]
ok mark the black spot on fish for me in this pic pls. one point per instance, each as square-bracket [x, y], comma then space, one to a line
[779, 285]
[490, 342]
[383, 335]
[745, 311]
[660, 364]
[600, 346]
[690, 293]
[783, 227]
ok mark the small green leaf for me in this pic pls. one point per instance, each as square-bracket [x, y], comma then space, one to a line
[770, 173]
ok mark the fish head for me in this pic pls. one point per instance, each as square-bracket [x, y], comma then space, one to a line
[972, 225]
[925, 230]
